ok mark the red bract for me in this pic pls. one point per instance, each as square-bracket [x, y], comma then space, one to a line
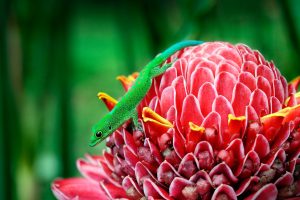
[221, 123]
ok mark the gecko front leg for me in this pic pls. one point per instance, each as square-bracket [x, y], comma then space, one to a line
[156, 71]
[135, 120]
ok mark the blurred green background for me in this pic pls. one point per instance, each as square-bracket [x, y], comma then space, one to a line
[56, 55]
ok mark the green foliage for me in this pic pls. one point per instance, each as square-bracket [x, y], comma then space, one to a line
[56, 55]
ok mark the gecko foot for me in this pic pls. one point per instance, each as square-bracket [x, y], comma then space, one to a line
[131, 127]
[139, 127]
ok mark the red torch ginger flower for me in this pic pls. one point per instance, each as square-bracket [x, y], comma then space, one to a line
[221, 123]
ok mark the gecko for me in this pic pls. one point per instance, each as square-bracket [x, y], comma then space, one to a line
[125, 109]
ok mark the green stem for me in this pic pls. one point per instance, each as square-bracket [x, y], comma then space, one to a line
[290, 25]
[9, 119]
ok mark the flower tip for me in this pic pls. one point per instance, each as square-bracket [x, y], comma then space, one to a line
[109, 101]
[121, 78]
[289, 101]
[134, 75]
[195, 127]
[149, 115]
[127, 79]
[101, 95]
[281, 113]
[76, 188]
[295, 82]
[55, 185]
[105, 97]
[231, 117]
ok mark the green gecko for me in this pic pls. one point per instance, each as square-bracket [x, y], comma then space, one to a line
[125, 109]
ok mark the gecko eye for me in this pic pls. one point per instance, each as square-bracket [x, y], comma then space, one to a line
[109, 127]
[99, 134]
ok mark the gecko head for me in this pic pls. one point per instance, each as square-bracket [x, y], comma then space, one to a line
[101, 130]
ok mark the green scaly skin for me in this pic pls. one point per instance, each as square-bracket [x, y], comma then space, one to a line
[125, 109]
